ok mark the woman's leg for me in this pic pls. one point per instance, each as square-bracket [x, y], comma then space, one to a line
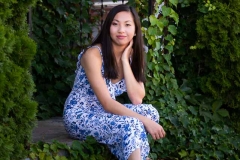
[123, 135]
[146, 110]
[136, 155]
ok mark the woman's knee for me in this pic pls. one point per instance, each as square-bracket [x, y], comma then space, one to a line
[154, 113]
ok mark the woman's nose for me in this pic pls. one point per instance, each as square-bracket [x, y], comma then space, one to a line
[121, 29]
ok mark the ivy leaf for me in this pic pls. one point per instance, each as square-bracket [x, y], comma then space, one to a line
[193, 110]
[219, 154]
[174, 16]
[41, 155]
[152, 31]
[183, 153]
[53, 2]
[60, 10]
[86, 28]
[166, 11]
[169, 48]
[158, 46]
[216, 105]
[53, 147]
[184, 121]
[153, 20]
[174, 2]
[174, 121]
[207, 116]
[223, 112]
[160, 25]
[169, 37]
[59, 28]
[76, 145]
[167, 57]
[174, 82]
[172, 29]
[166, 67]
[164, 21]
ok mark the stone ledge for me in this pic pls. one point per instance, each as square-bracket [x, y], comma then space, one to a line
[50, 130]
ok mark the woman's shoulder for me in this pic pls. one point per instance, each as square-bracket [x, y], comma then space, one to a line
[92, 54]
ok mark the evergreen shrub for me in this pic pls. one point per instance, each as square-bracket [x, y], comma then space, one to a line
[207, 51]
[218, 37]
[17, 109]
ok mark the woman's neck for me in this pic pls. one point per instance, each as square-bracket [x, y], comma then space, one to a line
[118, 51]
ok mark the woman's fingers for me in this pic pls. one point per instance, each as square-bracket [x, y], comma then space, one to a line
[154, 129]
[160, 133]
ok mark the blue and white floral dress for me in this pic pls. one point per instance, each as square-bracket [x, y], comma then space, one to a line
[85, 116]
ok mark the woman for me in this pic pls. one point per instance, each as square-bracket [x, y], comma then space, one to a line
[113, 64]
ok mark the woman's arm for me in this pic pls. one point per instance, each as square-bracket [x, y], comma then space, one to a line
[92, 62]
[135, 89]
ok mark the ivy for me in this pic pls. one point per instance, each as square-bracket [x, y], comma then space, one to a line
[61, 31]
[192, 121]
[90, 149]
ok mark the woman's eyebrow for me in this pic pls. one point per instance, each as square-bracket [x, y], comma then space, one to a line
[125, 21]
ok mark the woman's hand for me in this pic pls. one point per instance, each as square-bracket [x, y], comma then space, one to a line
[154, 129]
[128, 51]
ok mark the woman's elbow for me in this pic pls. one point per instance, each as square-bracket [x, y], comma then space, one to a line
[106, 105]
[136, 101]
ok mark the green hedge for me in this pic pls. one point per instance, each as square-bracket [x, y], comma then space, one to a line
[208, 50]
[17, 109]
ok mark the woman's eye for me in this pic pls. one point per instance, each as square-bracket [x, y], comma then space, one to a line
[114, 24]
[128, 24]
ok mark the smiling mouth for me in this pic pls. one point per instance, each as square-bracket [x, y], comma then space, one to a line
[121, 37]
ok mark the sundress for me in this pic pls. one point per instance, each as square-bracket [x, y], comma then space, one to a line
[85, 116]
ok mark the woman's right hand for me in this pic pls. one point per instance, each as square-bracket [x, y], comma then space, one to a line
[154, 129]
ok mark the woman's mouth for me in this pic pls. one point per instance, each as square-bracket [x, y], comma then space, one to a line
[121, 37]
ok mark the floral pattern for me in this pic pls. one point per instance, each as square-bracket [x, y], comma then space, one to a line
[84, 116]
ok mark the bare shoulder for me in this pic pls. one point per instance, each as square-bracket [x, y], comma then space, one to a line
[92, 55]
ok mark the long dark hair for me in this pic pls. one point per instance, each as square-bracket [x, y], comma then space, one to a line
[138, 56]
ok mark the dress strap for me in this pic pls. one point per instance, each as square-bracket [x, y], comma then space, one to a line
[97, 48]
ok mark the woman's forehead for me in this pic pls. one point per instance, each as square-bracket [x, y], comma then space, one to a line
[123, 16]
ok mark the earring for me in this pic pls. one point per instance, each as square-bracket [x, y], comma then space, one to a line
[135, 34]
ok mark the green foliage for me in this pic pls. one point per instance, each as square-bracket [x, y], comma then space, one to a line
[57, 26]
[17, 109]
[207, 51]
[197, 127]
[89, 149]
[213, 27]
[218, 37]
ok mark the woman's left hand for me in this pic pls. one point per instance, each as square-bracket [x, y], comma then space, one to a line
[128, 51]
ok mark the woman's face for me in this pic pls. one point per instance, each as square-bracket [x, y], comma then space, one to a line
[122, 28]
